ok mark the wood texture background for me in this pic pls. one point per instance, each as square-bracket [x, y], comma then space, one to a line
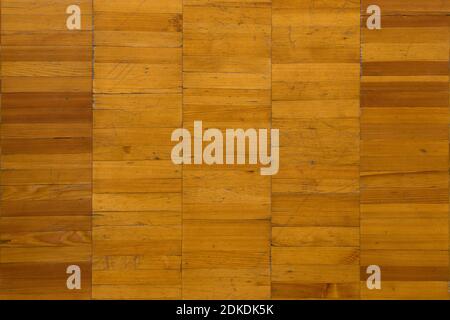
[86, 176]
[137, 190]
[46, 142]
[404, 150]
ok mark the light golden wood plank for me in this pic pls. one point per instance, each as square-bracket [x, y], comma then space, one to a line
[226, 209]
[315, 196]
[137, 189]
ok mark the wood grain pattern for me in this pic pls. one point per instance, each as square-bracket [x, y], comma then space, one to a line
[46, 159]
[226, 209]
[315, 93]
[404, 152]
[86, 175]
[137, 189]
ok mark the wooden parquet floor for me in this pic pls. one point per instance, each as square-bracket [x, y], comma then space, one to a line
[87, 176]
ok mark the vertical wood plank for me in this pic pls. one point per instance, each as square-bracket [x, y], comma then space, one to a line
[45, 223]
[137, 189]
[226, 208]
[315, 196]
[404, 150]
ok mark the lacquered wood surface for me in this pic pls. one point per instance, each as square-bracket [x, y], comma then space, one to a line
[87, 177]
